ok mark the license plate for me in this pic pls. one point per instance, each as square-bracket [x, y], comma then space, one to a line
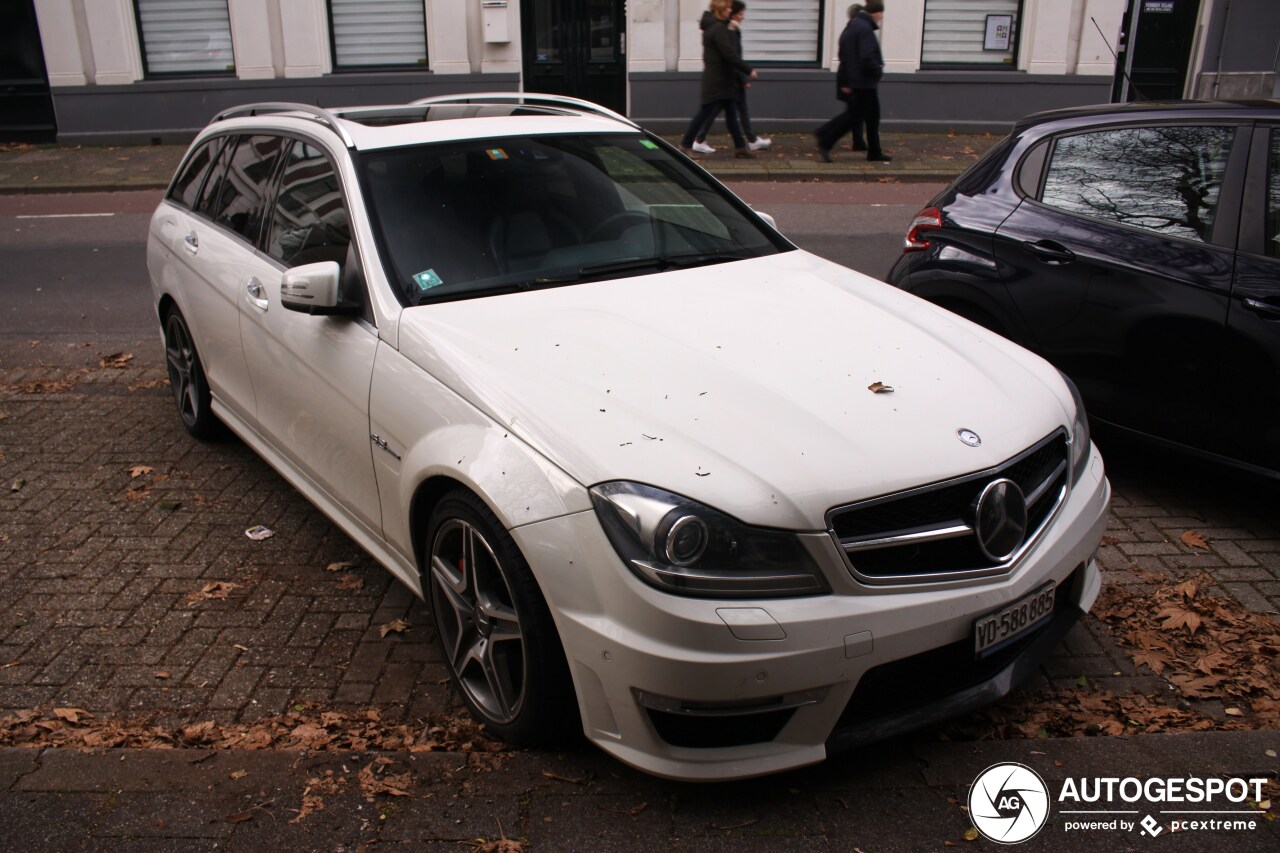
[1008, 623]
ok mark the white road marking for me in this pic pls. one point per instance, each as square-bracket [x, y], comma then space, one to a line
[59, 215]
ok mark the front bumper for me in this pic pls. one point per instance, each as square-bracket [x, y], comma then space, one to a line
[702, 689]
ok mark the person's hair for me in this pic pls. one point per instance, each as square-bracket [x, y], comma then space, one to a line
[737, 6]
[718, 6]
[873, 6]
[854, 10]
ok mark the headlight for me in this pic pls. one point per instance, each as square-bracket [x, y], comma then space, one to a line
[683, 547]
[1079, 432]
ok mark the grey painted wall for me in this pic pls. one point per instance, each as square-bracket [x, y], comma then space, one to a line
[785, 99]
[782, 99]
[174, 110]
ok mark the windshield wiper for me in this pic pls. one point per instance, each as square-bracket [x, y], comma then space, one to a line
[589, 272]
[629, 265]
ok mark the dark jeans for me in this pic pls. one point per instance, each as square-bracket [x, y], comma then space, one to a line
[708, 111]
[744, 118]
[838, 126]
[862, 108]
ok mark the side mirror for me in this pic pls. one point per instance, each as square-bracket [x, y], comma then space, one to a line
[313, 289]
[768, 219]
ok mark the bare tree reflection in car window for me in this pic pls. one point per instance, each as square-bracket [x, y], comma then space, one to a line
[310, 222]
[1273, 198]
[1161, 179]
[240, 198]
[188, 184]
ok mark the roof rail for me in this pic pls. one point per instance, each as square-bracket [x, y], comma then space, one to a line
[535, 98]
[321, 115]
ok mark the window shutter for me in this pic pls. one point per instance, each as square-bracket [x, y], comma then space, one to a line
[781, 31]
[378, 32]
[955, 32]
[186, 36]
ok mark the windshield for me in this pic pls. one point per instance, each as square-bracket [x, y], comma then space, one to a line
[479, 217]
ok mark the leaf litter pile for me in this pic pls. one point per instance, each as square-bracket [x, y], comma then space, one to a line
[306, 729]
[1220, 662]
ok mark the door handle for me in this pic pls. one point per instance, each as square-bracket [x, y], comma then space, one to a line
[191, 243]
[1050, 252]
[257, 294]
[1260, 306]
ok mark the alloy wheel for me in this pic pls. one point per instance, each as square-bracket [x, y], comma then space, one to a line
[184, 369]
[477, 620]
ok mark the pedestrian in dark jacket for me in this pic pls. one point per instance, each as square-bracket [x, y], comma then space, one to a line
[721, 65]
[737, 12]
[843, 123]
[858, 76]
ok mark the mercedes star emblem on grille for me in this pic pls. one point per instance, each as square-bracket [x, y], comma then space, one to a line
[1000, 519]
[969, 437]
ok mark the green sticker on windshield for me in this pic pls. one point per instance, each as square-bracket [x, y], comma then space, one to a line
[649, 143]
[427, 280]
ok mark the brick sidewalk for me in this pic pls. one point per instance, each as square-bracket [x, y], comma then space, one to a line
[102, 573]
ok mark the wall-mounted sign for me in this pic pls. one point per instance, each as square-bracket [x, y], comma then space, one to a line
[1163, 7]
[999, 32]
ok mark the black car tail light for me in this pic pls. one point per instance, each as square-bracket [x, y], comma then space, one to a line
[929, 219]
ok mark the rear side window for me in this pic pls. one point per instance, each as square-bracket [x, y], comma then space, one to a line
[1161, 179]
[309, 224]
[187, 187]
[239, 205]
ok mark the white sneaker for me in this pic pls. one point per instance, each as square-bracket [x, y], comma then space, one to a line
[760, 144]
[703, 148]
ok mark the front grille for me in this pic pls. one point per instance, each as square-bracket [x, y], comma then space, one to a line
[927, 534]
[907, 684]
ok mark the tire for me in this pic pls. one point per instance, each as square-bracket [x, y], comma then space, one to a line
[186, 378]
[499, 641]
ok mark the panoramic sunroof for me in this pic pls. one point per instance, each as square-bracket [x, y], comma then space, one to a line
[391, 116]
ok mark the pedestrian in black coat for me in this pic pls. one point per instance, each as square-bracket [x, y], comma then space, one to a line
[857, 79]
[721, 66]
[737, 11]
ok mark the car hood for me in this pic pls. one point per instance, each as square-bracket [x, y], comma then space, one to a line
[746, 385]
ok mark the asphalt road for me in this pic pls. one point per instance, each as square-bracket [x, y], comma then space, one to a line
[74, 266]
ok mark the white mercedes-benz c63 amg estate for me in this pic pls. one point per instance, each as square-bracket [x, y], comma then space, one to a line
[664, 478]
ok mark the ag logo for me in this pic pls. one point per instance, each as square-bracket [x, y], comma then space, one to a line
[1008, 803]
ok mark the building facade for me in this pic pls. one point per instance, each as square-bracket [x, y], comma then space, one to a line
[149, 70]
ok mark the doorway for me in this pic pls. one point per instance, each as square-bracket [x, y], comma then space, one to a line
[1157, 39]
[576, 48]
[26, 107]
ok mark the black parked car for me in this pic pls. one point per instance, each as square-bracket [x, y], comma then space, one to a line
[1137, 247]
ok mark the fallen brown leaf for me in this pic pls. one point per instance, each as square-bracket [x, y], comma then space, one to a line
[350, 582]
[138, 470]
[879, 388]
[398, 626]
[340, 567]
[71, 715]
[1193, 539]
[116, 361]
[217, 590]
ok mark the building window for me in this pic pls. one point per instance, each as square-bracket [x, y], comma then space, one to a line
[969, 33]
[782, 31]
[185, 36]
[378, 33]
